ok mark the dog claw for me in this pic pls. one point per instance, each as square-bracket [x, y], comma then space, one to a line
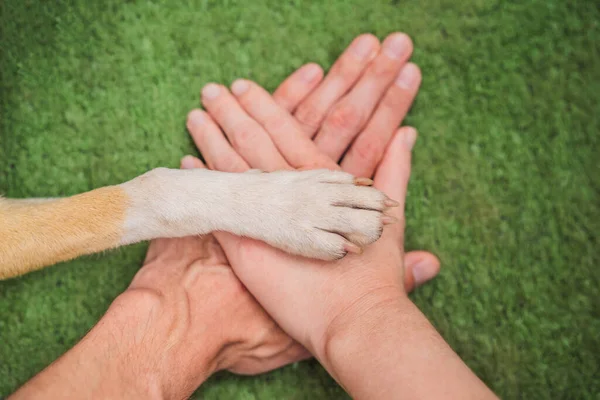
[352, 248]
[390, 203]
[363, 181]
[388, 220]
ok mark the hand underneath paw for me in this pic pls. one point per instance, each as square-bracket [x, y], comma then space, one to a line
[248, 128]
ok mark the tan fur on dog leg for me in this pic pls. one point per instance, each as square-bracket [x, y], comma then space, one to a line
[34, 234]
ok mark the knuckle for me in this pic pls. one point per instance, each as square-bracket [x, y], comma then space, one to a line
[318, 162]
[229, 163]
[243, 134]
[384, 69]
[346, 69]
[218, 111]
[147, 297]
[394, 101]
[309, 116]
[276, 123]
[345, 118]
[285, 96]
[368, 151]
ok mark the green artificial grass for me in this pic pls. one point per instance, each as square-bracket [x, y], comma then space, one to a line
[505, 188]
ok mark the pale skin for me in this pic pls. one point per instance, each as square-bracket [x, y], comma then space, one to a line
[180, 269]
[340, 309]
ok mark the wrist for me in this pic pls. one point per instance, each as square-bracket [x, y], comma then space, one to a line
[353, 331]
[108, 362]
[154, 352]
[120, 364]
[394, 349]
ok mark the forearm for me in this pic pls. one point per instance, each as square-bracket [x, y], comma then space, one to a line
[392, 351]
[125, 356]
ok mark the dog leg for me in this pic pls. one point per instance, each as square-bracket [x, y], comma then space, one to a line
[320, 214]
[39, 232]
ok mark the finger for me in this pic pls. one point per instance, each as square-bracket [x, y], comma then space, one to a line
[214, 147]
[191, 162]
[244, 133]
[419, 268]
[297, 149]
[351, 113]
[297, 86]
[394, 170]
[368, 148]
[393, 174]
[344, 72]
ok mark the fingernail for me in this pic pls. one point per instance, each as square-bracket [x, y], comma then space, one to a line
[310, 72]
[388, 220]
[363, 47]
[396, 45]
[390, 203]
[408, 77]
[188, 162]
[240, 87]
[196, 117]
[424, 271]
[211, 91]
[410, 137]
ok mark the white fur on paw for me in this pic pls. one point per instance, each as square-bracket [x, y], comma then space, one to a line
[317, 213]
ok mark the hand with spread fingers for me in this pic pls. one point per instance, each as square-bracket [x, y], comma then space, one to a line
[353, 314]
[306, 89]
[367, 94]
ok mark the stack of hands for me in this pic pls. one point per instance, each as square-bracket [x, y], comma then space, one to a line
[221, 302]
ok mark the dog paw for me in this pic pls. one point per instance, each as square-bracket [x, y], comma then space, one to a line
[325, 214]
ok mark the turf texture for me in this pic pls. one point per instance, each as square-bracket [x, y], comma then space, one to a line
[505, 189]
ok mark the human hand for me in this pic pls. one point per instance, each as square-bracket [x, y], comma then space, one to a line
[324, 297]
[198, 317]
[198, 287]
[365, 96]
[254, 342]
[184, 317]
[158, 326]
[189, 297]
[356, 98]
[259, 344]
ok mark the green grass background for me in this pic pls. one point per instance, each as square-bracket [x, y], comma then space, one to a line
[505, 190]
